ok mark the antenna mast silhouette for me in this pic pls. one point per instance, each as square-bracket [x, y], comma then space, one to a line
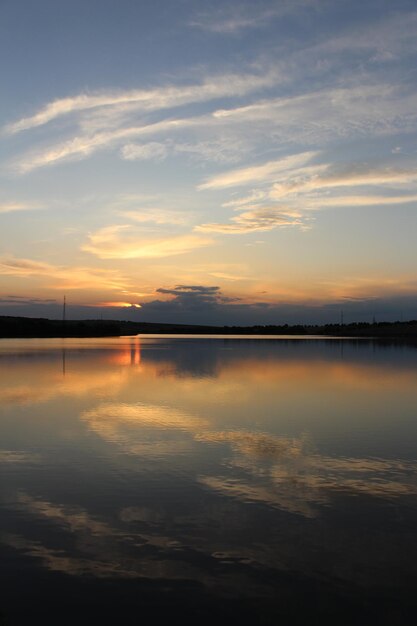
[64, 309]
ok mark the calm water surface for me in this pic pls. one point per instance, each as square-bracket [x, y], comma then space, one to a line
[272, 481]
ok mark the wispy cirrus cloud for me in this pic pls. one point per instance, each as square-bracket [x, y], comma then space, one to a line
[148, 99]
[258, 173]
[232, 18]
[85, 145]
[101, 120]
[358, 104]
[318, 118]
[220, 150]
[153, 151]
[331, 114]
[287, 190]
[258, 219]
[352, 200]
[350, 175]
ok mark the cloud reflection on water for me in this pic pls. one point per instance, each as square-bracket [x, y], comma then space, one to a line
[293, 466]
[282, 472]
[186, 453]
[102, 550]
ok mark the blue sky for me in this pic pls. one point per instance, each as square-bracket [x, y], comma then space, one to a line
[223, 162]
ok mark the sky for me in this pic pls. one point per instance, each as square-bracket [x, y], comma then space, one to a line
[216, 162]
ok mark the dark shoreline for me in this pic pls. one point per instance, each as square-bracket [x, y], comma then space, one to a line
[26, 327]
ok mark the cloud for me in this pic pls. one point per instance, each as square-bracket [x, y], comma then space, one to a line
[254, 197]
[23, 300]
[348, 175]
[200, 272]
[232, 18]
[23, 267]
[88, 143]
[11, 207]
[148, 99]
[189, 299]
[220, 150]
[194, 296]
[258, 173]
[314, 119]
[63, 277]
[118, 305]
[260, 219]
[351, 201]
[306, 187]
[358, 103]
[181, 290]
[229, 277]
[156, 216]
[121, 242]
[153, 151]
[329, 115]
[144, 208]
[223, 149]
[387, 298]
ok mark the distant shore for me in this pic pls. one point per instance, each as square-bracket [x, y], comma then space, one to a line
[20, 327]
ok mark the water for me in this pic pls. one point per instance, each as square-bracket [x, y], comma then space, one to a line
[261, 481]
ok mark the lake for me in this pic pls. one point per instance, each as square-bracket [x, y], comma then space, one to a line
[256, 480]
